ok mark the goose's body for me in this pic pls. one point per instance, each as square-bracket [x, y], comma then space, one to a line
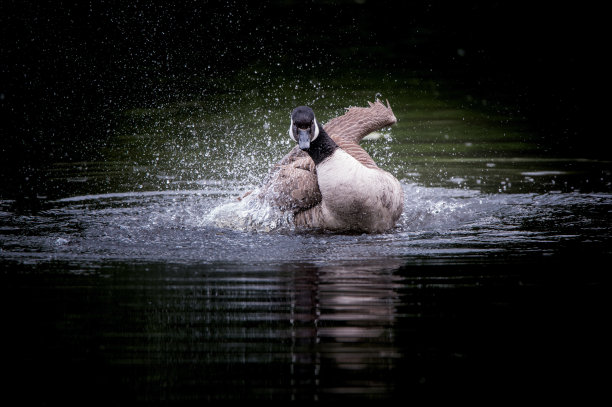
[353, 197]
[328, 181]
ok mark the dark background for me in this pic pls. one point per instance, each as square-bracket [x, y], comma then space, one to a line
[69, 67]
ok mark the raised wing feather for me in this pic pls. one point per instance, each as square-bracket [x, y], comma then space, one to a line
[358, 122]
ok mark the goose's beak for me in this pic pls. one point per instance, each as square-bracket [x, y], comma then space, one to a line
[303, 139]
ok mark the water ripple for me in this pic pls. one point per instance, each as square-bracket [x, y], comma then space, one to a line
[210, 225]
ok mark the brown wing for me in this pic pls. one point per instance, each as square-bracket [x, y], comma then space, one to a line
[292, 183]
[358, 122]
[349, 129]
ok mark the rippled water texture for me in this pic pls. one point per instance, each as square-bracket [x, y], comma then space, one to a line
[168, 186]
[141, 277]
[201, 226]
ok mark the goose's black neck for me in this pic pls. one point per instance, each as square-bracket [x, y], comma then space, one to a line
[321, 147]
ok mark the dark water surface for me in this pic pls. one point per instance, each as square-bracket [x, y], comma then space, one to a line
[131, 274]
[121, 332]
[141, 278]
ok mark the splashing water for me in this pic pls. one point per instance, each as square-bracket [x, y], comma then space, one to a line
[169, 186]
[141, 273]
[210, 225]
[251, 213]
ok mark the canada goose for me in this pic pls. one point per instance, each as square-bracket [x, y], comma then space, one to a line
[328, 181]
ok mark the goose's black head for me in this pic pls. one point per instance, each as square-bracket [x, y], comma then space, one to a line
[304, 127]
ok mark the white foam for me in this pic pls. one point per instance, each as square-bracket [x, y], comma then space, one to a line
[119, 195]
[541, 173]
[251, 213]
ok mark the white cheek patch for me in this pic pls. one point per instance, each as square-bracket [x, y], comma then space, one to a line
[316, 130]
[291, 130]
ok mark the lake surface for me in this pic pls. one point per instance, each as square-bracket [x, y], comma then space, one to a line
[139, 276]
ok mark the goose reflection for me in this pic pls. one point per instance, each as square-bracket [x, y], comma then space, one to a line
[293, 331]
[342, 319]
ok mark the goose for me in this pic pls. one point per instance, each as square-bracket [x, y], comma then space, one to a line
[328, 181]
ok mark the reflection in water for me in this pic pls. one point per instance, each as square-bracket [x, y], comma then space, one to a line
[157, 332]
[124, 283]
[117, 289]
[341, 323]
